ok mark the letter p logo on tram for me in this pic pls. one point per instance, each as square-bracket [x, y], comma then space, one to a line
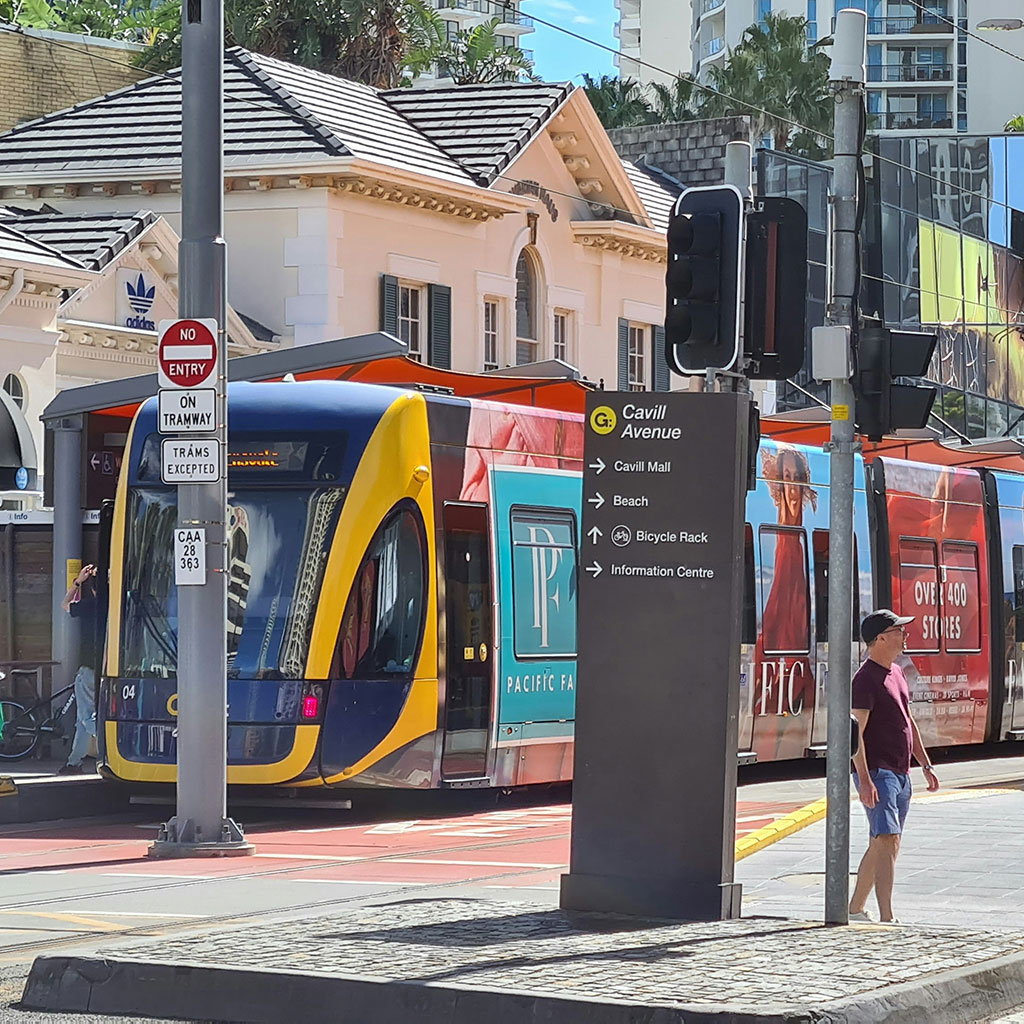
[187, 353]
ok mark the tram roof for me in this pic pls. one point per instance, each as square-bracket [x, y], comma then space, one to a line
[377, 358]
[811, 427]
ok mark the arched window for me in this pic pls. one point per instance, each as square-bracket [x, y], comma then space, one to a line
[16, 389]
[526, 309]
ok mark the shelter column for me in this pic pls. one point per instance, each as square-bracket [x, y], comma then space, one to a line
[67, 539]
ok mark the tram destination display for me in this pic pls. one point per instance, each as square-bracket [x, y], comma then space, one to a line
[660, 597]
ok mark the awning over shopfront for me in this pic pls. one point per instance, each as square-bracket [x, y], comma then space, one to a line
[18, 462]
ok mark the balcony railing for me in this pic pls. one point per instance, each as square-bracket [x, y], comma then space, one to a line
[910, 72]
[912, 122]
[707, 6]
[924, 23]
[506, 14]
[712, 46]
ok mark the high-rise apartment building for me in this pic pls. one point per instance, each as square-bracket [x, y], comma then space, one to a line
[930, 67]
[465, 14]
[657, 32]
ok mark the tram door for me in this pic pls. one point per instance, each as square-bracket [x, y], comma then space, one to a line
[470, 647]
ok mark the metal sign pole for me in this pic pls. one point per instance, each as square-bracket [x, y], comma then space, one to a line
[201, 825]
[847, 77]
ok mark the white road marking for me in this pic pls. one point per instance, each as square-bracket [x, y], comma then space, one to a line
[305, 856]
[474, 863]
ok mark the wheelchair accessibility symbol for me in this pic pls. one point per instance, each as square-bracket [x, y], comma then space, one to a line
[602, 420]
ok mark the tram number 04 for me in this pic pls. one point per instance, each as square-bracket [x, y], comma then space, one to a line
[128, 691]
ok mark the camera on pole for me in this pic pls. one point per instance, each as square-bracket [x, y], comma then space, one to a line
[705, 244]
[883, 406]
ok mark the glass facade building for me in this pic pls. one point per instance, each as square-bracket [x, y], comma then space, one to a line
[942, 250]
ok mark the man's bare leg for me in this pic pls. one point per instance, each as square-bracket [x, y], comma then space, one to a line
[887, 848]
[865, 880]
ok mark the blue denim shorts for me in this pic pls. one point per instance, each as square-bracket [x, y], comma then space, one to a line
[886, 818]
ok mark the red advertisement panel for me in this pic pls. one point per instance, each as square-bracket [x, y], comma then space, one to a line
[939, 575]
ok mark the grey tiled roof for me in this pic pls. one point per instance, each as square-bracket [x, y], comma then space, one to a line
[359, 117]
[261, 332]
[273, 111]
[140, 127]
[21, 248]
[482, 126]
[657, 191]
[93, 239]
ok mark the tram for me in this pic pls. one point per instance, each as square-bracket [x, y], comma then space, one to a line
[402, 593]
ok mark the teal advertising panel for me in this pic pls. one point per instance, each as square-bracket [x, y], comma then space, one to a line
[536, 517]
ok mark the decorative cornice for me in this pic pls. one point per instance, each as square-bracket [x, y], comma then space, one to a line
[420, 198]
[626, 240]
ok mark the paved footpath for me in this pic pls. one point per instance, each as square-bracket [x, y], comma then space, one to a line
[959, 956]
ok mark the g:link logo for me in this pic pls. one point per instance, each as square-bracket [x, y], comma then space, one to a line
[603, 420]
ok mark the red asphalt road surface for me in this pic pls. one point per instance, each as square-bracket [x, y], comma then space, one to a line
[515, 848]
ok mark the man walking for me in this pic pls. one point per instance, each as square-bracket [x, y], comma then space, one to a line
[889, 737]
[80, 603]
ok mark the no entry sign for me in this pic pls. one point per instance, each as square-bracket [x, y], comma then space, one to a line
[187, 353]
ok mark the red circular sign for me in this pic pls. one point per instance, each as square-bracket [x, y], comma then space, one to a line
[187, 354]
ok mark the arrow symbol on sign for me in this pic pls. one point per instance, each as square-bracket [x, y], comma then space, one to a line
[94, 461]
[598, 501]
[594, 533]
[595, 569]
[598, 465]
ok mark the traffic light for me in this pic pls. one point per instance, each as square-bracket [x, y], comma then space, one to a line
[775, 300]
[705, 234]
[882, 355]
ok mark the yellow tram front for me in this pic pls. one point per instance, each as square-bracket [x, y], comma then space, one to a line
[331, 617]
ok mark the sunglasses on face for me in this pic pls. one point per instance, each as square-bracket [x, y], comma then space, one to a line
[895, 629]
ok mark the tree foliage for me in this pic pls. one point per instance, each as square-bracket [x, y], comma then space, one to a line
[772, 76]
[383, 43]
[475, 55]
[1015, 124]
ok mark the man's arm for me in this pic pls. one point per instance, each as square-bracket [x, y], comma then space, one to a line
[69, 597]
[922, 757]
[868, 793]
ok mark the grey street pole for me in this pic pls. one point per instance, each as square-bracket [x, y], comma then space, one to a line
[847, 78]
[201, 825]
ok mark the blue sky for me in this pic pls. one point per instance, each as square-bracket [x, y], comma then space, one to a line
[561, 58]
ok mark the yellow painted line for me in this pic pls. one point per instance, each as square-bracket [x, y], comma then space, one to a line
[810, 813]
[780, 828]
[88, 922]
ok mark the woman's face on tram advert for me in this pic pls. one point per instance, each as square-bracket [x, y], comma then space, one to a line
[791, 511]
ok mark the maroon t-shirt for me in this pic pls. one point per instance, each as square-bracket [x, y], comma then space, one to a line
[888, 741]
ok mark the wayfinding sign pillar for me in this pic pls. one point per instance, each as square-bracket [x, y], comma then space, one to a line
[660, 603]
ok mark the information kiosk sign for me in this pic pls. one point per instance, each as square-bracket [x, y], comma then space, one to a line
[660, 601]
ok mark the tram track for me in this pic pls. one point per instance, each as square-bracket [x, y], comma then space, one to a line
[327, 861]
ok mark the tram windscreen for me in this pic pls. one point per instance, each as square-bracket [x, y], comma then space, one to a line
[278, 543]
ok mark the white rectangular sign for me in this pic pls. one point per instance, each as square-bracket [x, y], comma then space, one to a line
[190, 556]
[189, 462]
[187, 411]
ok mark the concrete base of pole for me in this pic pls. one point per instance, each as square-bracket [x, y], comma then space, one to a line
[180, 840]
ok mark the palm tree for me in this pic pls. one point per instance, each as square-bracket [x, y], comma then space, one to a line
[781, 79]
[618, 102]
[474, 56]
[674, 103]
[27, 13]
[1015, 124]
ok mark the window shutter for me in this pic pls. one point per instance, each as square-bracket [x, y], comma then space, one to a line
[389, 304]
[662, 380]
[439, 329]
[623, 354]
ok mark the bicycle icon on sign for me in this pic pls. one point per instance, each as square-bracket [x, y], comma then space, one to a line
[621, 536]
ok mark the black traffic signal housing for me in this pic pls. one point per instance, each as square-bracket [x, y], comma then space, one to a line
[702, 283]
[775, 299]
[882, 355]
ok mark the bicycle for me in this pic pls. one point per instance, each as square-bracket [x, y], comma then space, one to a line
[21, 727]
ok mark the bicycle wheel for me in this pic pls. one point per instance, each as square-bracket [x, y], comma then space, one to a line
[20, 732]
